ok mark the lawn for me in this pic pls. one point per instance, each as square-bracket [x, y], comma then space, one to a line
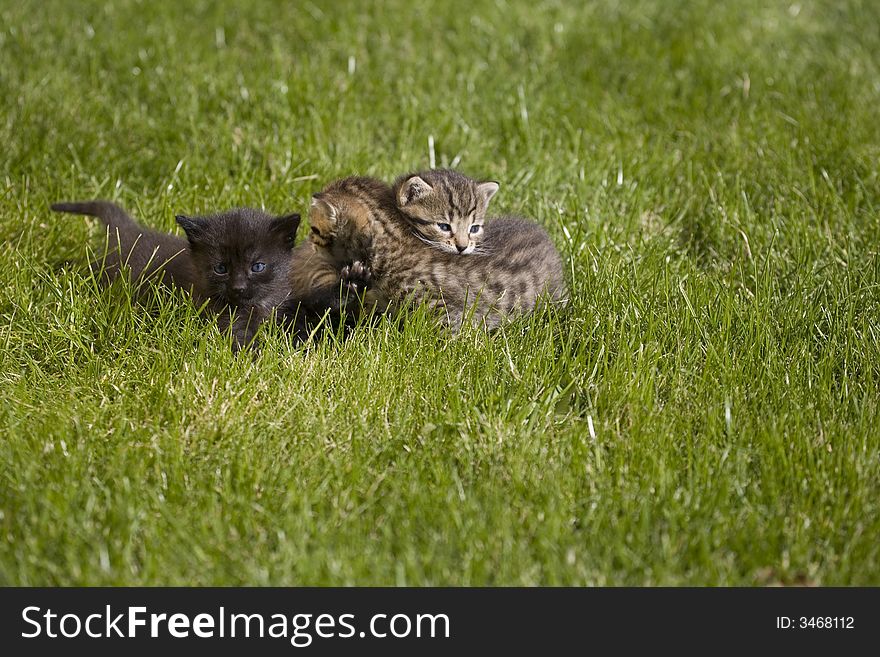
[706, 410]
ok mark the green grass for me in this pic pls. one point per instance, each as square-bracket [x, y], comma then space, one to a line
[707, 411]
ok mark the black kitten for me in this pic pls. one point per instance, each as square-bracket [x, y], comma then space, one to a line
[242, 259]
[237, 262]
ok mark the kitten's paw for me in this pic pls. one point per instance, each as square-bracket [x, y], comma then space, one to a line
[356, 277]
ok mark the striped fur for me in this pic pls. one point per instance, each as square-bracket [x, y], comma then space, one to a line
[358, 220]
[445, 208]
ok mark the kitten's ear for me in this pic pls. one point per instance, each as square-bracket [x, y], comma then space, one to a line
[322, 213]
[411, 190]
[487, 190]
[194, 227]
[286, 227]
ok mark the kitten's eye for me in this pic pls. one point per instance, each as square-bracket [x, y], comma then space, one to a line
[475, 229]
[446, 228]
[257, 267]
[220, 269]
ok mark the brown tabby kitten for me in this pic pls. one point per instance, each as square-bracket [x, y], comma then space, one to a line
[357, 220]
[318, 292]
[237, 262]
[445, 208]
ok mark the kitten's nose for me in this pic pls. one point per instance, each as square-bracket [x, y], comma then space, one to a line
[237, 289]
[461, 248]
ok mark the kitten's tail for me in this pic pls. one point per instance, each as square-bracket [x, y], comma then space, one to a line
[114, 217]
[126, 243]
[111, 214]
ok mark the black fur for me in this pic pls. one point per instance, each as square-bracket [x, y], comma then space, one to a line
[215, 263]
[225, 249]
[147, 253]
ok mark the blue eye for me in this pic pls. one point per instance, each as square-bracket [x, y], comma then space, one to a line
[446, 228]
[220, 269]
[475, 228]
[257, 267]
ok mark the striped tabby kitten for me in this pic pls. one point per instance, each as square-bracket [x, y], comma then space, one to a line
[238, 262]
[445, 208]
[358, 220]
[317, 288]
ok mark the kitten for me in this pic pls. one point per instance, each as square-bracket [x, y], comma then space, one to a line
[358, 221]
[445, 208]
[318, 294]
[243, 260]
[237, 263]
